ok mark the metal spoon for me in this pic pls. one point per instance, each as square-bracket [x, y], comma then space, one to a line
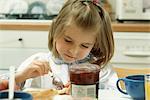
[56, 81]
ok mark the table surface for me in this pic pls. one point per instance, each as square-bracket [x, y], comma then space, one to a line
[103, 94]
[112, 95]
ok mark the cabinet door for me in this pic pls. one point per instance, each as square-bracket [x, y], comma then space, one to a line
[9, 38]
[17, 45]
[34, 39]
[132, 48]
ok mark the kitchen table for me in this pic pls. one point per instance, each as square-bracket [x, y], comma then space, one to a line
[104, 94]
[108, 94]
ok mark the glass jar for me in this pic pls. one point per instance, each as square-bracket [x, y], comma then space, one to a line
[84, 80]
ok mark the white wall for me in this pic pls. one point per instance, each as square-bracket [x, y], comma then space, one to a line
[113, 4]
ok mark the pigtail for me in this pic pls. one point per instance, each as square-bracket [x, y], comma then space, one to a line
[104, 49]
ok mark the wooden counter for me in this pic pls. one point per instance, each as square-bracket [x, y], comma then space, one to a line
[129, 27]
[43, 25]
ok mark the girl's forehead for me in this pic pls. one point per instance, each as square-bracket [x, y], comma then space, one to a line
[75, 32]
[73, 28]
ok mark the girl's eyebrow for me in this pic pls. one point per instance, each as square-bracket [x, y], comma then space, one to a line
[82, 43]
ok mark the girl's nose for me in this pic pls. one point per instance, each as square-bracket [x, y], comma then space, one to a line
[74, 50]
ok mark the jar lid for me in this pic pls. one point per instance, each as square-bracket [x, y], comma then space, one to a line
[85, 67]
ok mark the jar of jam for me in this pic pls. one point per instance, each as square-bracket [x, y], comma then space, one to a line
[84, 80]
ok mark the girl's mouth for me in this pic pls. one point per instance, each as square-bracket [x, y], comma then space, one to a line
[71, 57]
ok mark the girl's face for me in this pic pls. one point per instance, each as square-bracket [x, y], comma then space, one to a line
[75, 43]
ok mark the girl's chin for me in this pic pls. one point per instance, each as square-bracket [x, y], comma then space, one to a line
[68, 61]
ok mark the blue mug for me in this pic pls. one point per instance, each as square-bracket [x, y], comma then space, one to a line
[17, 95]
[134, 86]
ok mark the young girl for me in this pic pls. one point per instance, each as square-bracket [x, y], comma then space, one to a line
[81, 33]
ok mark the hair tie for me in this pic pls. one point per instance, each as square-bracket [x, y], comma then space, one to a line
[95, 1]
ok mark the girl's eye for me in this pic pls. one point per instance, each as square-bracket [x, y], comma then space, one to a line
[66, 40]
[85, 46]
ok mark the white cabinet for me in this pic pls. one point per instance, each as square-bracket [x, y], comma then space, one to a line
[9, 39]
[132, 49]
[132, 53]
[25, 39]
[34, 39]
[17, 45]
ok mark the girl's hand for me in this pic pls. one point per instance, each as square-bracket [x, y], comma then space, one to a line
[35, 69]
[66, 90]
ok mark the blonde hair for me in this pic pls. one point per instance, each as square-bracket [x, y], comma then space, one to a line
[87, 15]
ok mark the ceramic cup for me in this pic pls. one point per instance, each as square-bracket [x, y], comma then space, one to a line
[18, 95]
[134, 86]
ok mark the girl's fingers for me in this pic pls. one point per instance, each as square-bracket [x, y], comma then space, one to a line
[41, 65]
[44, 65]
[67, 85]
[47, 67]
[37, 71]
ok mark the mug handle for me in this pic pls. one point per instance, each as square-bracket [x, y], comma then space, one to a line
[119, 88]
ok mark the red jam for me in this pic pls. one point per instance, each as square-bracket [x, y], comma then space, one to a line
[84, 74]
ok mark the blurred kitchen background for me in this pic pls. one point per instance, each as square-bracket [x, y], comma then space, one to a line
[29, 9]
[48, 9]
[24, 28]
